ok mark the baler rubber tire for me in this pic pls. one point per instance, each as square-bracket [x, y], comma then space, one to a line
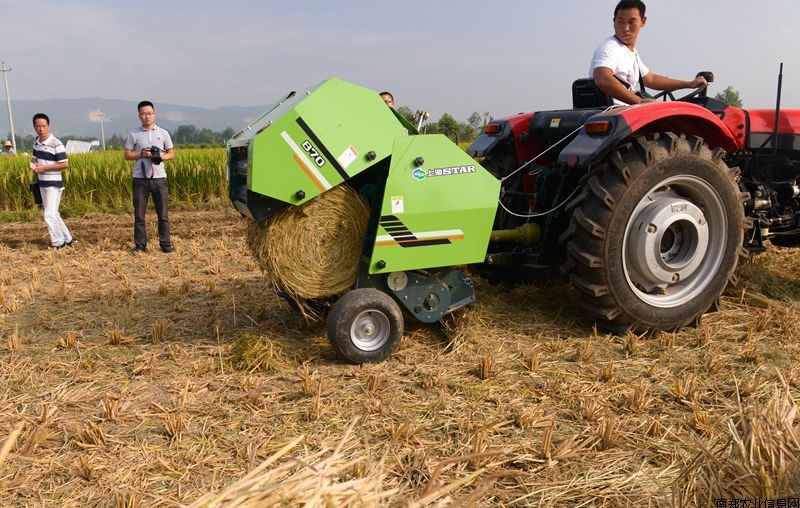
[364, 326]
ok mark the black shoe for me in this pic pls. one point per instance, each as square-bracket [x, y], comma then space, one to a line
[138, 249]
[69, 243]
[167, 249]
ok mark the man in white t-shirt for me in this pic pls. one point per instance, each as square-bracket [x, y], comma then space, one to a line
[616, 66]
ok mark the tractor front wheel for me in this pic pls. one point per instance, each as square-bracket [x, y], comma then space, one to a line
[365, 325]
[656, 234]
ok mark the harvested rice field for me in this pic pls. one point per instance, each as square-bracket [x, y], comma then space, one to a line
[182, 380]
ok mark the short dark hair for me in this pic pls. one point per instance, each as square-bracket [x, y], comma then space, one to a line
[630, 4]
[143, 104]
[387, 93]
[41, 116]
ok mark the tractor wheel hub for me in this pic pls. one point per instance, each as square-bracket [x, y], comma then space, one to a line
[669, 243]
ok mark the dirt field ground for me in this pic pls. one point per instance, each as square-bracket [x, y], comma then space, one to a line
[162, 379]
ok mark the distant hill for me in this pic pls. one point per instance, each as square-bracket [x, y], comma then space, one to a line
[74, 116]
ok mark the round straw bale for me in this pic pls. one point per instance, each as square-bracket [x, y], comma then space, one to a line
[312, 251]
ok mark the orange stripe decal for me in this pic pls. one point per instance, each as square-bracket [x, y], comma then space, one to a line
[309, 173]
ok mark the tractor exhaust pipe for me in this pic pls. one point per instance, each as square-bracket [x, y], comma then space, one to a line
[777, 113]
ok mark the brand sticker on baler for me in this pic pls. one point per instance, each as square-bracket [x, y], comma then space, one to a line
[554, 123]
[421, 174]
[313, 153]
[455, 170]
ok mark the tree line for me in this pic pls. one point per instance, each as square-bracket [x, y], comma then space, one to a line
[190, 135]
[458, 132]
[184, 135]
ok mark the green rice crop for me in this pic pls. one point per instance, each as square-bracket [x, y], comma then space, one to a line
[101, 181]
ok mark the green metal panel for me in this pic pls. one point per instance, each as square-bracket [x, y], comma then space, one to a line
[329, 135]
[438, 207]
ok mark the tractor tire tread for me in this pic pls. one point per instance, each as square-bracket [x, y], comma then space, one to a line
[590, 235]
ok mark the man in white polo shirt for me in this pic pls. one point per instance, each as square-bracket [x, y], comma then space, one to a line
[149, 146]
[49, 159]
[616, 66]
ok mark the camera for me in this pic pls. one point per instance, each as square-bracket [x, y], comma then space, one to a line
[155, 155]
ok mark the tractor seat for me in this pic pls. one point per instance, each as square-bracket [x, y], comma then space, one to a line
[586, 94]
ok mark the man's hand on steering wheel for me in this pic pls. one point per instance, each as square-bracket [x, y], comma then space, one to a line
[699, 84]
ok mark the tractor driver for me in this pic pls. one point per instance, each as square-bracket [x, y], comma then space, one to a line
[616, 66]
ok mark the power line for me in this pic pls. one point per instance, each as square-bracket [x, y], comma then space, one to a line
[51, 95]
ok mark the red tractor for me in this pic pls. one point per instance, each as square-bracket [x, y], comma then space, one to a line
[647, 208]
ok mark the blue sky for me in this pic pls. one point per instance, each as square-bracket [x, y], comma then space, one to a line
[498, 57]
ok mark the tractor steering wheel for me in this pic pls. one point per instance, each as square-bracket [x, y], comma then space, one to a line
[690, 95]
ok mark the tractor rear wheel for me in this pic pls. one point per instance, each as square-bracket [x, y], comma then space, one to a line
[365, 325]
[656, 234]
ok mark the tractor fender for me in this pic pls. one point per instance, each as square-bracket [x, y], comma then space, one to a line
[603, 132]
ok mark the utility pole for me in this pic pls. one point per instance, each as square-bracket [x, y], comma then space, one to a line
[8, 103]
[100, 115]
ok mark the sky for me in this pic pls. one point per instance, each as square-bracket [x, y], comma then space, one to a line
[441, 56]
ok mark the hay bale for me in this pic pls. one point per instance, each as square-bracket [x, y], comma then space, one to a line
[312, 251]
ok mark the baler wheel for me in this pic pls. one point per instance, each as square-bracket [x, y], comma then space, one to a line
[365, 325]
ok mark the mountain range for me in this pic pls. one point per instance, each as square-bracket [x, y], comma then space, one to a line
[78, 117]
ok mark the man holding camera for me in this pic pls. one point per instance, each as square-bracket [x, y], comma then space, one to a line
[149, 146]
